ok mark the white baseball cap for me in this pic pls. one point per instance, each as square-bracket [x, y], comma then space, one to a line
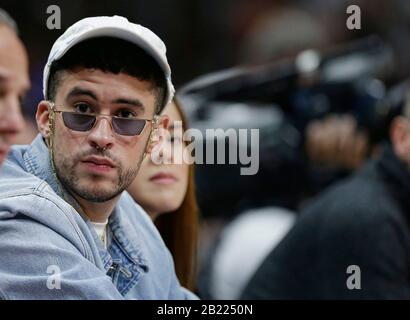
[116, 27]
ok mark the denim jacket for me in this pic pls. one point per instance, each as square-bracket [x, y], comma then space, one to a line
[49, 250]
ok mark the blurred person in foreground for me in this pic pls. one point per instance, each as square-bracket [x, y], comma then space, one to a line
[105, 83]
[167, 192]
[353, 241]
[14, 83]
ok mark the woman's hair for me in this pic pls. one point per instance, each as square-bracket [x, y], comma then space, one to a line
[179, 228]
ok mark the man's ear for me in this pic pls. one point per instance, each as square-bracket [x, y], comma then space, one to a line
[156, 135]
[42, 118]
[400, 136]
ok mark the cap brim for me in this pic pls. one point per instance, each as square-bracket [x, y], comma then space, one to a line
[126, 35]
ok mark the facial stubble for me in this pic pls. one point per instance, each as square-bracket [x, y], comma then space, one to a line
[65, 171]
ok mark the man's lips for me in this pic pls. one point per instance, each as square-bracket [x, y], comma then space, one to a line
[98, 164]
[163, 178]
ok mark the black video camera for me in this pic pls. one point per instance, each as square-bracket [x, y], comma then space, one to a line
[283, 98]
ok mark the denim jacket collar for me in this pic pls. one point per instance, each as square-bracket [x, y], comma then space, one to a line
[38, 162]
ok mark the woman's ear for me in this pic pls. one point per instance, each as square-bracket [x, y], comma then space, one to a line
[43, 118]
[156, 136]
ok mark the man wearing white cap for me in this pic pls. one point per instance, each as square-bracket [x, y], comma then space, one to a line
[67, 229]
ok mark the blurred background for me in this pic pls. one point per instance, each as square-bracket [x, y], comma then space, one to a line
[249, 59]
[209, 35]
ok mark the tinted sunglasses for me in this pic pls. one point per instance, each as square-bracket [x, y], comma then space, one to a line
[85, 122]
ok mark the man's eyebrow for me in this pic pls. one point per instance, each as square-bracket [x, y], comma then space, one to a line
[4, 77]
[131, 102]
[77, 91]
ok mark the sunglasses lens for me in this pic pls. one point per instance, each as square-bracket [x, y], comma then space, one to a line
[77, 121]
[128, 127]
[84, 122]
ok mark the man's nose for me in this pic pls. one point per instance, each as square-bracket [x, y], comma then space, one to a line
[102, 135]
[11, 118]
